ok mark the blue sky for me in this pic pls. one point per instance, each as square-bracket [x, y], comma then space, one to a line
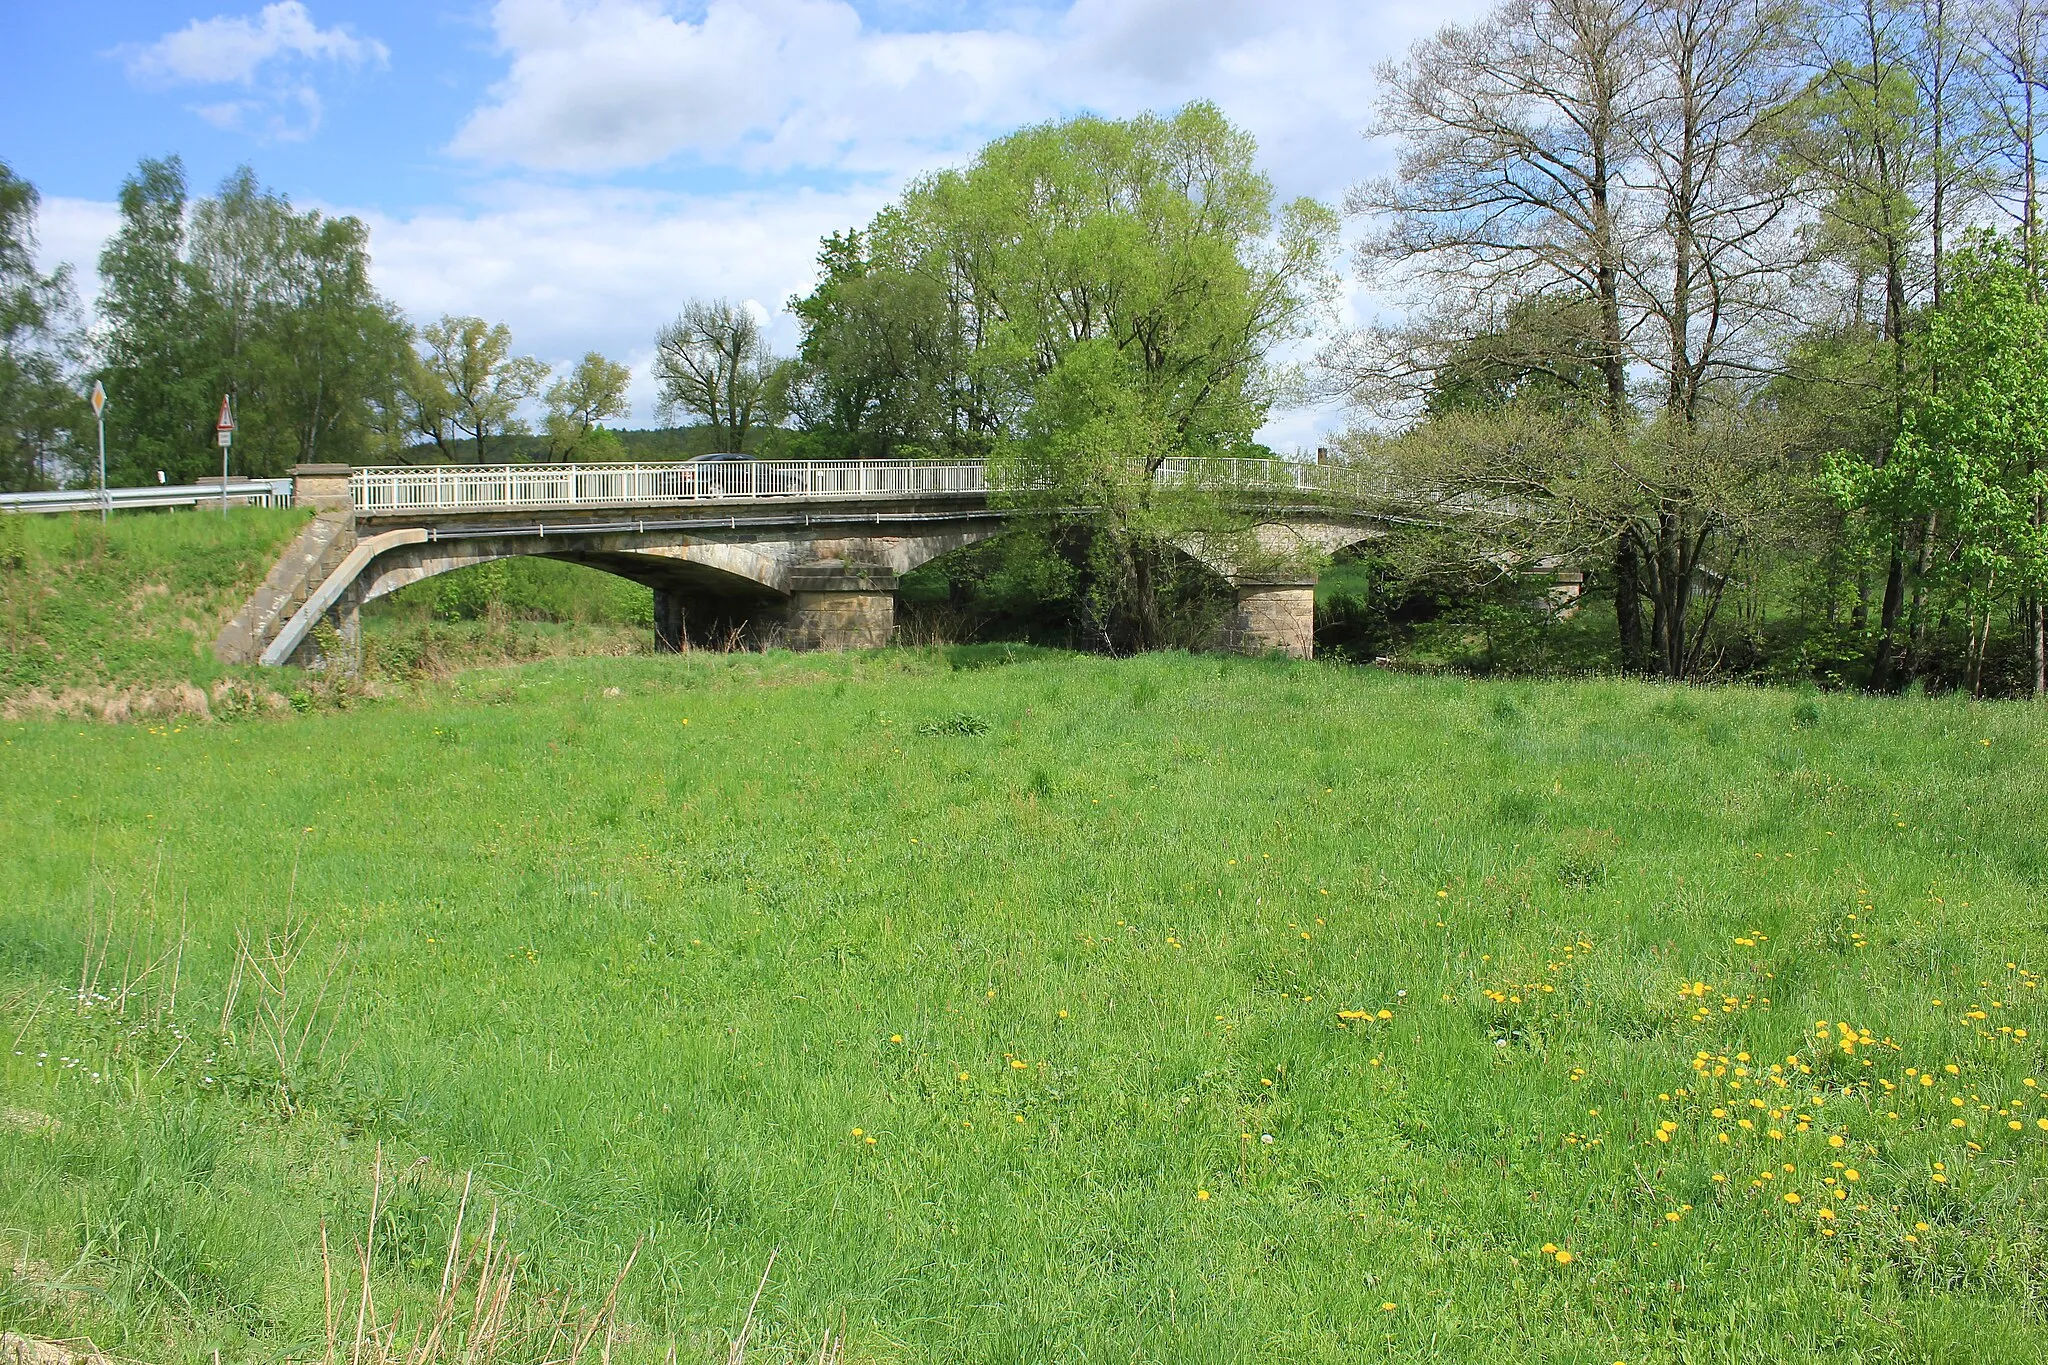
[579, 168]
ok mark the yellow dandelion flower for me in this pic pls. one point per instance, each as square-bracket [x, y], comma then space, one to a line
[1202, 1195]
[1564, 1258]
[1791, 1196]
[1835, 1140]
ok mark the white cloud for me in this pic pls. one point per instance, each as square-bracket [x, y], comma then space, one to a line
[269, 55]
[224, 51]
[595, 86]
[71, 232]
[598, 85]
[602, 270]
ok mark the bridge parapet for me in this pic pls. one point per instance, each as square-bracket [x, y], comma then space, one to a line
[433, 491]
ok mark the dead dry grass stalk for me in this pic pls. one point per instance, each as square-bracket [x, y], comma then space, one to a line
[481, 1315]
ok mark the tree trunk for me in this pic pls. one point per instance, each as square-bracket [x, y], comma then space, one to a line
[1145, 595]
[1916, 618]
[1628, 602]
[2040, 625]
[1884, 672]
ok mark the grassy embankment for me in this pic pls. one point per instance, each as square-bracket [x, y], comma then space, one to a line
[1176, 1009]
[118, 619]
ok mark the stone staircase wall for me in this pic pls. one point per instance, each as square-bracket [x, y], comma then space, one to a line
[303, 567]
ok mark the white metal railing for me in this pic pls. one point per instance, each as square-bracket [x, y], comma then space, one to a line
[1347, 482]
[478, 488]
[240, 493]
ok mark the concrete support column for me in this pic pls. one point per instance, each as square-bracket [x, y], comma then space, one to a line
[1273, 613]
[668, 621]
[841, 606]
[322, 487]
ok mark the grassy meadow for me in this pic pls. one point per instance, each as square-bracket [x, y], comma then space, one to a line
[1029, 1007]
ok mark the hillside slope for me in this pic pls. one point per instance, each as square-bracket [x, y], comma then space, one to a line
[119, 617]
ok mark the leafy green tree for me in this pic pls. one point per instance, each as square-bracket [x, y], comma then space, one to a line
[477, 384]
[1113, 291]
[308, 347]
[240, 294]
[160, 382]
[578, 405]
[1974, 452]
[881, 361]
[1547, 352]
[40, 411]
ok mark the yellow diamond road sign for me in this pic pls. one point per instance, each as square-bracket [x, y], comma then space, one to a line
[99, 398]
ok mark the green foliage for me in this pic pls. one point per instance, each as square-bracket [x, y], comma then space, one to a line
[646, 979]
[1086, 301]
[1547, 353]
[580, 402]
[524, 588]
[1972, 451]
[41, 414]
[468, 383]
[1968, 464]
[877, 375]
[241, 295]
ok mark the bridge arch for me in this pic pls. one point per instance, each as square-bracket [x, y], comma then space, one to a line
[677, 563]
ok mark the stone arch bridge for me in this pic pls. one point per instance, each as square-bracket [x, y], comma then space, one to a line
[802, 553]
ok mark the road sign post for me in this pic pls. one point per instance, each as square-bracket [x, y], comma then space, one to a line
[99, 409]
[225, 428]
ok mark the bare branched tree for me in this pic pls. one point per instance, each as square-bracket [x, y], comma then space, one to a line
[713, 364]
[1609, 156]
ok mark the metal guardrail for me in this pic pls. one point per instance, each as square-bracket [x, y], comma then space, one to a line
[396, 491]
[240, 492]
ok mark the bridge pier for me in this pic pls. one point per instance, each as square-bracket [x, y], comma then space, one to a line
[835, 605]
[1277, 613]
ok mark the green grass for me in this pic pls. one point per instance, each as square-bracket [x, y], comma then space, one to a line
[655, 946]
[133, 602]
